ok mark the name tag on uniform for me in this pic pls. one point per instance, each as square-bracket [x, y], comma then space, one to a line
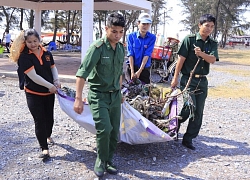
[105, 57]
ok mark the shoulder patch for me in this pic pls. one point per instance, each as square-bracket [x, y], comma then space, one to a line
[99, 43]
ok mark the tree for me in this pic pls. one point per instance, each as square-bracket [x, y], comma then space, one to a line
[229, 21]
[31, 19]
[99, 18]
[10, 17]
[159, 14]
[55, 25]
[226, 12]
[73, 23]
[131, 18]
[21, 19]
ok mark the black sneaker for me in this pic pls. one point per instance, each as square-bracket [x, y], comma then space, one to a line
[99, 168]
[44, 156]
[188, 145]
[110, 168]
[177, 132]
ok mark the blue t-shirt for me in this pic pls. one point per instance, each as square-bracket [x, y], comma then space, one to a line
[139, 47]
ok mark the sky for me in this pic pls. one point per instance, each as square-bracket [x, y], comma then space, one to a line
[172, 27]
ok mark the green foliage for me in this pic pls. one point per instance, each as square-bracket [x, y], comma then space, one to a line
[227, 13]
[159, 10]
[11, 18]
[46, 21]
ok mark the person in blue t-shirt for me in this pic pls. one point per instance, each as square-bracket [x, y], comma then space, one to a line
[140, 46]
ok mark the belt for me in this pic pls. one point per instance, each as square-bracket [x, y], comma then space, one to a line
[111, 91]
[199, 76]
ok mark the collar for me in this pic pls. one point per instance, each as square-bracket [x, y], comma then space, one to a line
[106, 41]
[198, 37]
[42, 48]
[139, 35]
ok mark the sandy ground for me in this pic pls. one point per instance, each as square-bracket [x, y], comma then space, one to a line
[222, 146]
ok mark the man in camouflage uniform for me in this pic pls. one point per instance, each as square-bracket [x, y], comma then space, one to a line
[201, 46]
[103, 67]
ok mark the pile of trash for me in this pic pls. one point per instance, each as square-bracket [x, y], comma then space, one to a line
[69, 92]
[152, 102]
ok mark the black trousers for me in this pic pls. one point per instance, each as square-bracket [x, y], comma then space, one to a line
[198, 88]
[145, 74]
[7, 45]
[42, 110]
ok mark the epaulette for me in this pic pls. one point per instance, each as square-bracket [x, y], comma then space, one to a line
[212, 39]
[99, 43]
[191, 35]
[122, 44]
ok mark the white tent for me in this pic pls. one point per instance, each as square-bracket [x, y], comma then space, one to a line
[87, 7]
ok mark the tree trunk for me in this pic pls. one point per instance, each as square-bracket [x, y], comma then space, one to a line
[73, 24]
[216, 16]
[8, 17]
[124, 35]
[21, 19]
[31, 22]
[100, 27]
[68, 33]
[56, 25]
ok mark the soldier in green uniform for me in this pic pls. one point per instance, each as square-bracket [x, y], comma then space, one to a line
[201, 46]
[103, 66]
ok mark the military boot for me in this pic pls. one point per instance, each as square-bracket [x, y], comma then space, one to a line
[99, 168]
[110, 168]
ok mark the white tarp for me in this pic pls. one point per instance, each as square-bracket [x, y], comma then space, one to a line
[134, 128]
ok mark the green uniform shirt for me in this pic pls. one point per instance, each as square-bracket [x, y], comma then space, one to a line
[210, 46]
[103, 66]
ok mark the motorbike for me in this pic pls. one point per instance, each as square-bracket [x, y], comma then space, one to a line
[164, 60]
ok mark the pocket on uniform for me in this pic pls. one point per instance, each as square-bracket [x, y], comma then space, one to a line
[136, 48]
[106, 66]
[106, 61]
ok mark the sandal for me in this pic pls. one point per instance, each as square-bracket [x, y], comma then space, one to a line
[50, 141]
[44, 155]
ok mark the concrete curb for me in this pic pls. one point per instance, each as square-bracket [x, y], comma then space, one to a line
[8, 74]
[63, 78]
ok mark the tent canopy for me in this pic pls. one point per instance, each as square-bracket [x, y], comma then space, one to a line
[87, 7]
[76, 4]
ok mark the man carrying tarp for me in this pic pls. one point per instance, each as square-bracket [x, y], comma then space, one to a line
[103, 66]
